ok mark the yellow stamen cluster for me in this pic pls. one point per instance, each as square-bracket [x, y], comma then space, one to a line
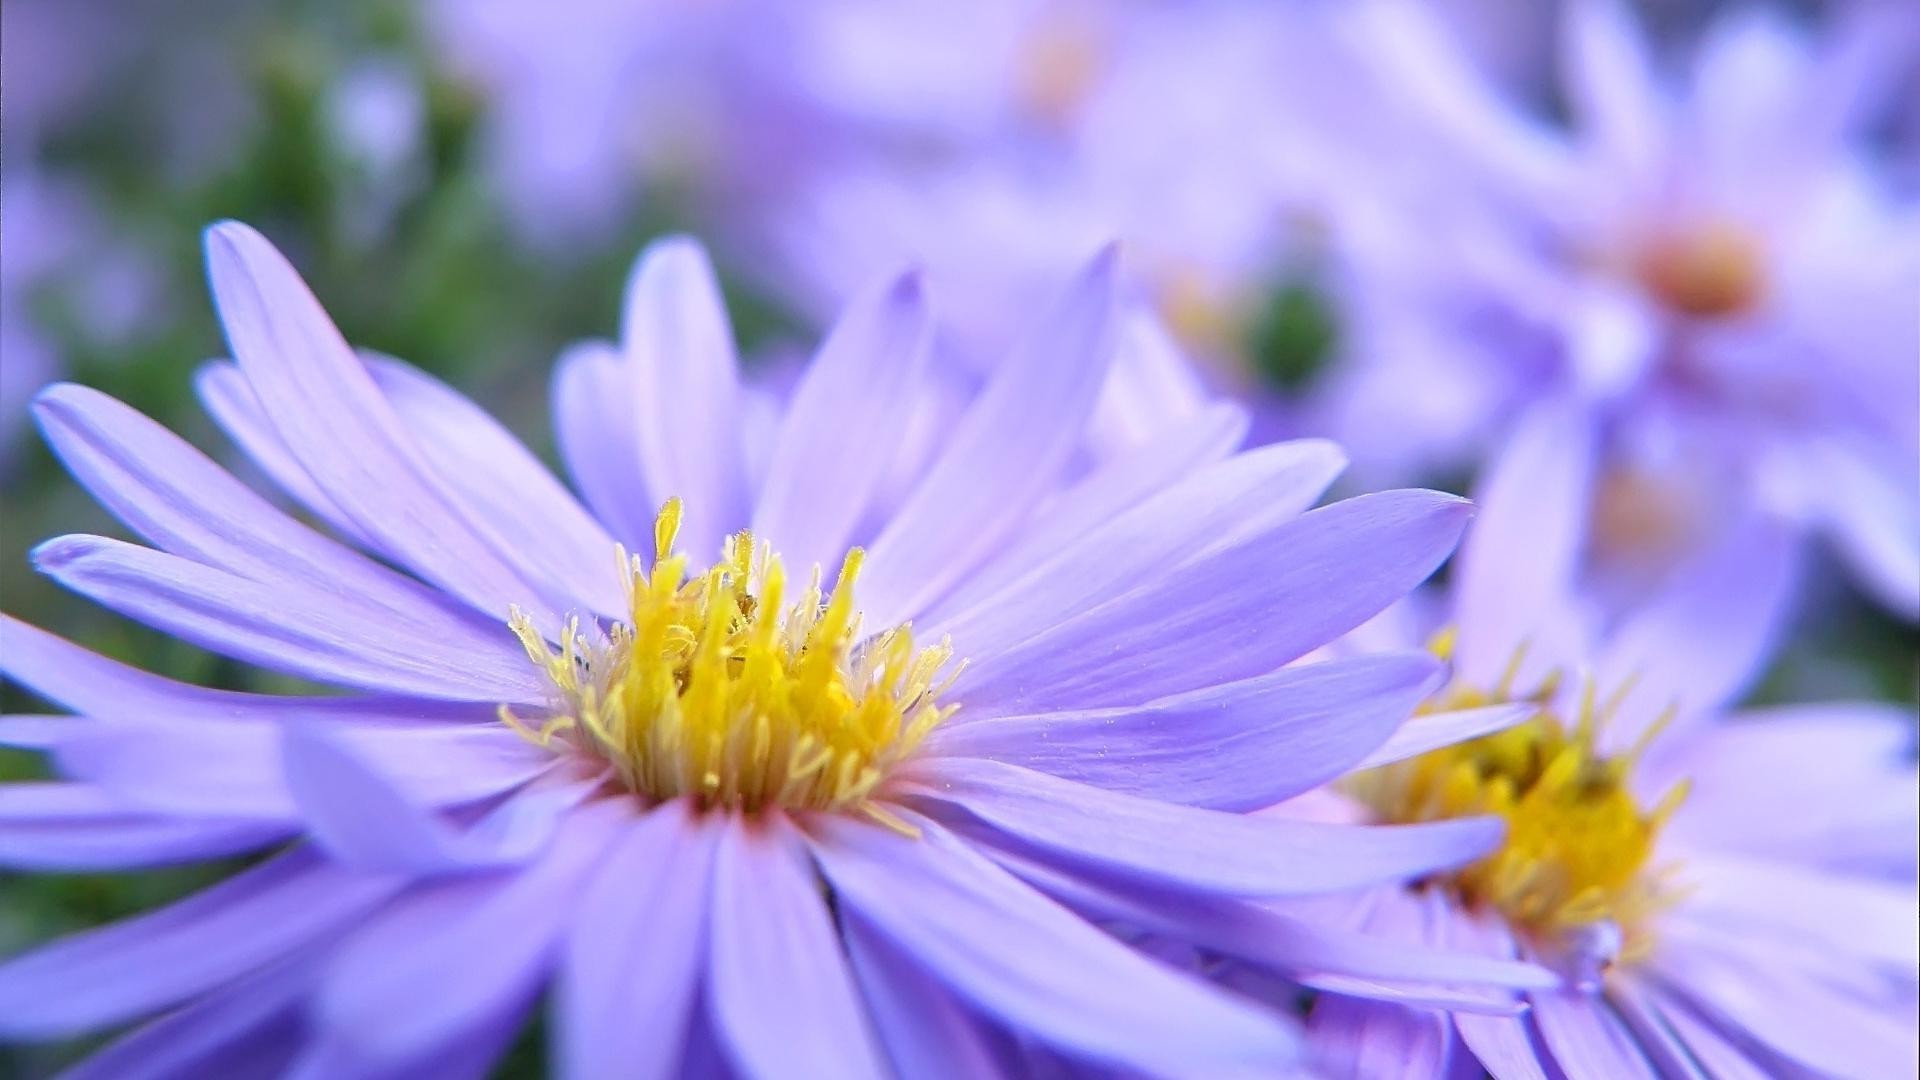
[1578, 842]
[713, 689]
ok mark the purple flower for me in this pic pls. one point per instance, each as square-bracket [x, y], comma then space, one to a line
[1716, 262]
[728, 809]
[1723, 894]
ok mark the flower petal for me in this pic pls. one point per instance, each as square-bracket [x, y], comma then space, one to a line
[1435, 730]
[844, 424]
[172, 494]
[249, 1027]
[1230, 501]
[1160, 843]
[502, 483]
[1018, 956]
[1515, 569]
[1697, 645]
[1109, 490]
[232, 769]
[1240, 613]
[1308, 949]
[230, 400]
[118, 972]
[926, 1031]
[74, 828]
[448, 957]
[1588, 1042]
[595, 428]
[91, 684]
[323, 402]
[783, 1001]
[636, 946]
[1004, 454]
[1610, 84]
[686, 386]
[284, 627]
[1239, 746]
[364, 819]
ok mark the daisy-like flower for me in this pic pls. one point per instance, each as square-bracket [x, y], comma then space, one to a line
[755, 771]
[1724, 895]
[1742, 302]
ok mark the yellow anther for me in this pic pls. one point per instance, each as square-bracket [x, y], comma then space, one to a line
[1578, 843]
[715, 687]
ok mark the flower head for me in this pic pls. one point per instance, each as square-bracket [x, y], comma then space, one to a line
[1663, 854]
[773, 757]
[1734, 305]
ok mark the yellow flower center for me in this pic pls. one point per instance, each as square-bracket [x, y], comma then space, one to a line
[718, 688]
[1578, 844]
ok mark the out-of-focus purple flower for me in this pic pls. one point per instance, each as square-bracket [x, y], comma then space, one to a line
[591, 104]
[728, 812]
[1727, 894]
[1715, 260]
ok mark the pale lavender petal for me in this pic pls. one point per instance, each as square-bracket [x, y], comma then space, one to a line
[1414, 51]
[1350, 1037]
[926, 1032]
[367, 820]
[635, 948]
[118, 972]
[1504, 1045]
[1018, 956]
[1435, 730]
[1587, 1041]
[1664, 1049]
[1873, 516]
[172, 494]
[781, 997]
[447, 957]
[25, 732]
[247, 1028]
[686, 385]
[1302, 585]
[1116, 486]
[1239, 746]
[1858, 810]
[1160, 843]
[595, 428]
[1877, 921]
[1312, 948]
[1224, 504]
[503, 484]
[1723, 1059]
[1697, 645]
[1779, 1007]
[73, 828]
[1514, 574]
[345, 434]
[843, 427]
[217, 768]
[230, 400]
[1003, 456]
[1420, 922]
[284, 627]
[89, 683]
[1610, 83]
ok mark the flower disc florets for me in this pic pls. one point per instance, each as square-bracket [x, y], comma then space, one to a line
[717, 688]
[1578, 844]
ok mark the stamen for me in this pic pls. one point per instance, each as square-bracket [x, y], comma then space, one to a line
[1575, 862]
[716, 687]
